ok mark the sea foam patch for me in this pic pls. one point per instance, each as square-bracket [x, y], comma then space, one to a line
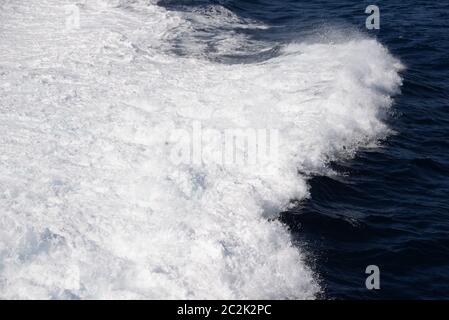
[93, 205]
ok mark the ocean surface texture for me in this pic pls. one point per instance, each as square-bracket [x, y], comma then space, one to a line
[114, 176]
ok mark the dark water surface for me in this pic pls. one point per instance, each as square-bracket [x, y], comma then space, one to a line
[390, 206]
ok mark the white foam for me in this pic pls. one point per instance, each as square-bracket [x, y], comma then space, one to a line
[91, 205]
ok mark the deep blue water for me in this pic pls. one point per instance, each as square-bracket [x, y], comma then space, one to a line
[390, 206]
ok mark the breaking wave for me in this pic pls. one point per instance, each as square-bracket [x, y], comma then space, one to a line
[93, 205]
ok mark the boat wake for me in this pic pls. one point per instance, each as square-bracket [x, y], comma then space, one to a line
[93, 203]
